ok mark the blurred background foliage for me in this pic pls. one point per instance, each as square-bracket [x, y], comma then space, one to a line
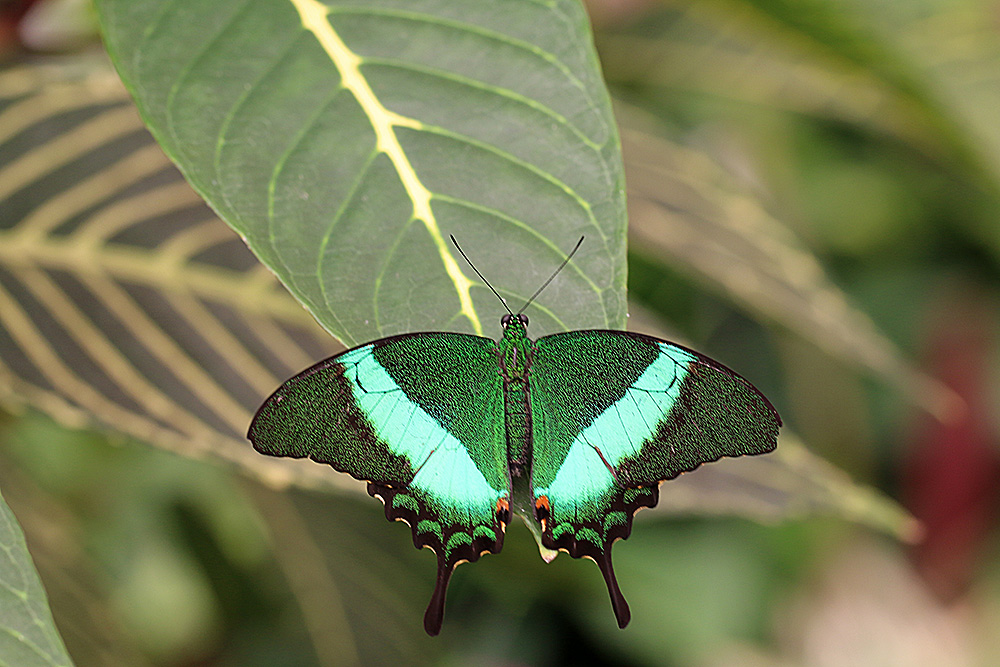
[814, 192]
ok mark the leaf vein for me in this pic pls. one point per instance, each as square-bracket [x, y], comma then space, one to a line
[316, 17]
[184, 72]
[248, 90]
[348, 198]
[279, 167]
[477, 84]
[418, 17]
[548, 177]
[381, 273]
[109, 358]
[556, 250]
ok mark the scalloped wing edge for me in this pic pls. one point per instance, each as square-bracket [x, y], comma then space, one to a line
[447, 560]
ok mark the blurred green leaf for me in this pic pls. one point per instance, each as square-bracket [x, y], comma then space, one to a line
[360, 584]
[691, 587]
[350, 143]
[954, 50]
[923, 72]
[48, 474]
[28, 635]
[704, 52]
[940, 55]
[685, 206]
[842, 27]
[791, 483]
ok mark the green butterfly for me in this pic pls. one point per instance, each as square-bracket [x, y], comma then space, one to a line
[573, 432]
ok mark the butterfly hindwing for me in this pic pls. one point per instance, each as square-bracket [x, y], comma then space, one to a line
[615, 413]
[420, 418]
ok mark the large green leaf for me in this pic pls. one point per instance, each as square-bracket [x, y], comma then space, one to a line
[28, 636]
[346, 141]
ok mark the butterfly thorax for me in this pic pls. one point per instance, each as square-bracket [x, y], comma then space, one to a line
[515, 348]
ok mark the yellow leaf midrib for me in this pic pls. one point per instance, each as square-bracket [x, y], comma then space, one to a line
[314, 16]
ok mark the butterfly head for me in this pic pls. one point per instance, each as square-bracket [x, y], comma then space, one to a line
[517, 323]
[509, 318]
[520, 317]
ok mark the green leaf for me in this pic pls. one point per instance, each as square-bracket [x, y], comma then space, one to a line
[790, 483]
[952, 48]
[923, 72]
[711, 52]
[686, 206]
[345, 142]
[28, 635]
[358, 581]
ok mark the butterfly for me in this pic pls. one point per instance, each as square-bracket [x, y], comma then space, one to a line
[573, 432]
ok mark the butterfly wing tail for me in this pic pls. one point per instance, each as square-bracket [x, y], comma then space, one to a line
[434, 616]
[618, 602]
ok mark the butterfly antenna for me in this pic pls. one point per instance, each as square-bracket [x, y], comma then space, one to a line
[483, 278]
[552, 277]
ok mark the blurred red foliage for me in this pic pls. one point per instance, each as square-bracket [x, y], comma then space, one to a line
[951, 481]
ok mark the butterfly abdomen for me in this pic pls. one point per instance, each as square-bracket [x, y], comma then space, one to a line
[518, 422]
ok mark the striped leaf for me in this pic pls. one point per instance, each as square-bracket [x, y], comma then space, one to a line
[123, 299]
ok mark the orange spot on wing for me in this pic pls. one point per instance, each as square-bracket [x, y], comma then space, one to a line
[502, 511]
[543, 511]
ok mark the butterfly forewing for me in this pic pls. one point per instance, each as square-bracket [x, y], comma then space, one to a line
[420, 417]
[614, 414]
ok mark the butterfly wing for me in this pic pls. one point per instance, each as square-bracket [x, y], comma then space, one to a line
[615, 413]
[420, 418]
